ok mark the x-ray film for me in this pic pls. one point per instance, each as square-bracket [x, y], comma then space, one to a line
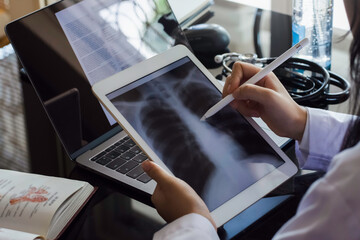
[220, 157]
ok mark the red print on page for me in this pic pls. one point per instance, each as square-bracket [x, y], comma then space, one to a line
[33, 194]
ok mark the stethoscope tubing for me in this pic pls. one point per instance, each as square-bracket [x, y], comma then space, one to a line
[308, 90]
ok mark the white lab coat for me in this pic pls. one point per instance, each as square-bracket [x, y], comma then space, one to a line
[331, 207]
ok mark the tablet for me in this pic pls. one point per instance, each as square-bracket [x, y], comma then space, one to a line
[228, 159]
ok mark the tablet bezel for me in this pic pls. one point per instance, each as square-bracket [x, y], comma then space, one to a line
[241, 201]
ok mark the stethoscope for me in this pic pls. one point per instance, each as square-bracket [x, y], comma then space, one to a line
[307, 82]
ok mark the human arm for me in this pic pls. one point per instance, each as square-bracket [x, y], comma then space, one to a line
[321, 197]
[180, 206]
[329, 209]
[319, 132]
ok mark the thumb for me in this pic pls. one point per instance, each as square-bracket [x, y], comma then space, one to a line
[155, 172]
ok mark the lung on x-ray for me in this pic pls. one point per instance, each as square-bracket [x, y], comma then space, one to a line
[225, 152]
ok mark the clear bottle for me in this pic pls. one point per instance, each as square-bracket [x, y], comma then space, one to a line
[314, 19]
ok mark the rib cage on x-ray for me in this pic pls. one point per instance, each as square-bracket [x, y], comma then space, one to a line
[179, 148]
[228, 121]
[166, 113]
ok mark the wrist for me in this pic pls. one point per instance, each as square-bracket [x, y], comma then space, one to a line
[300, 123]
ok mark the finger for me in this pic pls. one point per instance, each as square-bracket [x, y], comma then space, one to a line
[251, 104]
[245, 70]
[254, 93]
[246, 109]
[236, 77]
[233, 81]
[157, 196]
[226, 87]
[241, 72]
[155, 172]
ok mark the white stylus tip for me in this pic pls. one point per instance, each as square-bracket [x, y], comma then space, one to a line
[203, 118]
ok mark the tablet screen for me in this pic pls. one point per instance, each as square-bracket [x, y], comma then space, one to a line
[220, 157]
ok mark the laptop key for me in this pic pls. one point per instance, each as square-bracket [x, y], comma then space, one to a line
[135, 150]
[140, 158]
[128, 155]
[135, 172]
[121, 149]
[103, 161]
[109, 149]
[113, 154]
[97, 157]
[127, 167]
[116, 163]
[130, 143]
[144, 178]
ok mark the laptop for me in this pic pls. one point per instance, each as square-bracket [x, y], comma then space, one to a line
[67, 47]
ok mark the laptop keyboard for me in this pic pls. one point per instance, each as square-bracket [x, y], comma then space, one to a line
[124, 157]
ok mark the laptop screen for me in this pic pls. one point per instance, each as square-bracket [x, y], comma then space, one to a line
[67, 47]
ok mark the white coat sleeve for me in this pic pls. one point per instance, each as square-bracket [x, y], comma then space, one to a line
[190, 226]
[322, 139]
[330, 209]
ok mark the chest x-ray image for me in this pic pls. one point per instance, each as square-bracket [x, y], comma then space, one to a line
[225, 152]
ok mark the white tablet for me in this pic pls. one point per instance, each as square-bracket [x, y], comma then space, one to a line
[228, 159]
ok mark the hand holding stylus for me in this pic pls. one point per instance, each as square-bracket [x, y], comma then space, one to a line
[268, 99]
[257, 77]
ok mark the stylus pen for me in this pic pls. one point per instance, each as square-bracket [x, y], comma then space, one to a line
[257, 77]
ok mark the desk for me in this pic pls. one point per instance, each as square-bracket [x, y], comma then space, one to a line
[114, 214]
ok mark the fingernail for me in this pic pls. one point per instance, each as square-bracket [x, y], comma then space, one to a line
[146, 165]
